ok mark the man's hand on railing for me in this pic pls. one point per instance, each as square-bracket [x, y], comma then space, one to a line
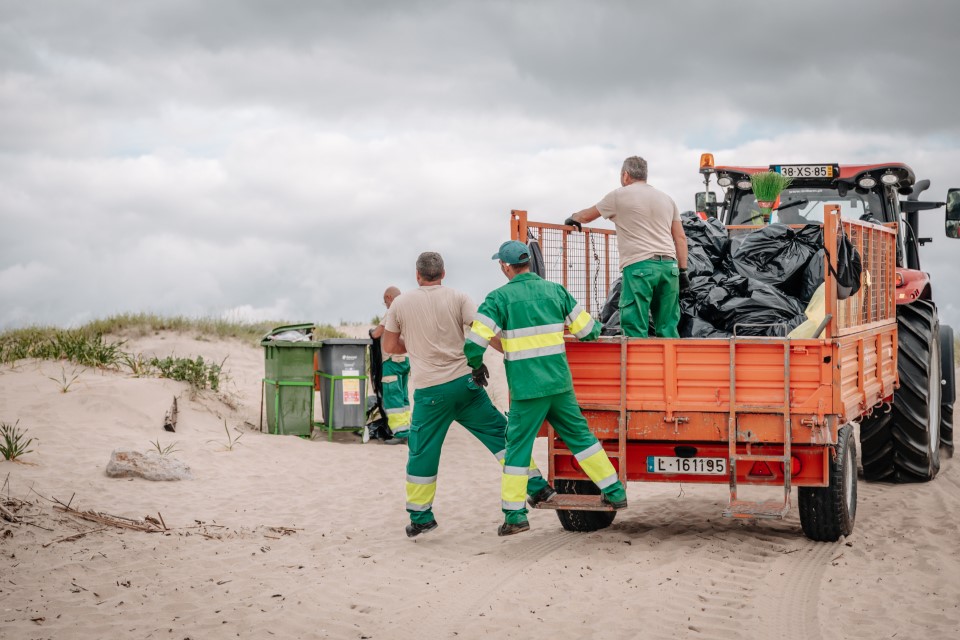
[570, 222]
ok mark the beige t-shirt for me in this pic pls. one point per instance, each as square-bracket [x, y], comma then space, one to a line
[432, 321]
[389, 356]
[644, 217]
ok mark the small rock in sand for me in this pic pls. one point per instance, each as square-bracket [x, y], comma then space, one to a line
[126, 463]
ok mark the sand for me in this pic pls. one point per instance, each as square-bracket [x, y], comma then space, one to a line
[293, 538]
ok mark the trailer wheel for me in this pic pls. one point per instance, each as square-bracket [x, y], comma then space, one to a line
[572, 520]
[904, 445]
[826, 513]
[948, 388]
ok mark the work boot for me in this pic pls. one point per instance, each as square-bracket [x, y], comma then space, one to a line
[544, 495]
[415, 528]
[508, 529]
[393, 440]
[616, 504]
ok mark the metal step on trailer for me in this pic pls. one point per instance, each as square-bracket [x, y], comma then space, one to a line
[575, 501]
[737, 507]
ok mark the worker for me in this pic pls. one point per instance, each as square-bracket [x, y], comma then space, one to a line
[396, 373]
[530, 313]
[653, 251]
[429, 323]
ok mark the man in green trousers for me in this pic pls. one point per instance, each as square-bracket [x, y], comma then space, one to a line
[429, 324]
[530, 314]
[653, 251]
[396, 373]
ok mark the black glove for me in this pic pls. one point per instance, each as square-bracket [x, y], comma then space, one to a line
[570, 222]
[480, 375]
[684, 280]
[371, 334]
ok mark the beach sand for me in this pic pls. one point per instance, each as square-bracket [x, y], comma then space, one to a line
[287, 537]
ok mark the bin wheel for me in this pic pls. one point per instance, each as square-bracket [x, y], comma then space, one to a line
[584, 521]
[826, 513]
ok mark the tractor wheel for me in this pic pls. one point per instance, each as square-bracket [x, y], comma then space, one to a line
[904, 445]
[948, 388]
[826, 513]
[572, 520]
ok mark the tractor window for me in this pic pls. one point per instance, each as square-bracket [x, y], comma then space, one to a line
[805, 205]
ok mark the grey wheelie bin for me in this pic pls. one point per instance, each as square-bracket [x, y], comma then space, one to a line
[343, 384]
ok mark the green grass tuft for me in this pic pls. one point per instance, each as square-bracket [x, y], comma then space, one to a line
[13, 441]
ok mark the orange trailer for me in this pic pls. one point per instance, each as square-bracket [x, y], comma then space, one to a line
[741, 411]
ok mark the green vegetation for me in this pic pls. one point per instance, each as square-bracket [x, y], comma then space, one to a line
[13, 441]
[766, 188]
[165, 451]
[86, 348]
[198, 373]
[63, 382]
[231, 441]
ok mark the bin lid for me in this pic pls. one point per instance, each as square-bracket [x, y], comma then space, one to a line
[265, 340]
[346, 341]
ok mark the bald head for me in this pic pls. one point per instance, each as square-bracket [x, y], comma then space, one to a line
[389, 295]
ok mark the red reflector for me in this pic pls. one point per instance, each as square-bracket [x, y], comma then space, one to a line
[795, 466]
[761, 469]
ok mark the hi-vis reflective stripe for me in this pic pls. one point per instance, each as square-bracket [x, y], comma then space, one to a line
[482, 329]
[420, 492]
[532, 472]
[580, 322]
[532, 342]
[398, 417]
[595, 462]
[513, 488]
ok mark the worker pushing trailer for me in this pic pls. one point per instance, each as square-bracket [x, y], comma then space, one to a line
[748, 410]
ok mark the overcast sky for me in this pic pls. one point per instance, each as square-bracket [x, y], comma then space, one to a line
[289, 160]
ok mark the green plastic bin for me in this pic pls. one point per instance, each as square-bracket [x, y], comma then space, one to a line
[288, 383]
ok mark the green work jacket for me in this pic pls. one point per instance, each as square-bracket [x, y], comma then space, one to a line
[530, 313]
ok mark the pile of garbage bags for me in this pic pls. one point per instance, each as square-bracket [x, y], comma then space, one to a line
[758, 284]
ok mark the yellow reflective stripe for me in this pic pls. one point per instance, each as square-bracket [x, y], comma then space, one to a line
[582, 321]
[513, 490]
[482, 330]
[421, 494]
[395, 420]
[532, 342]
[599, 468]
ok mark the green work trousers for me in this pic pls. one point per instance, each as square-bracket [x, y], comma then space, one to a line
[396, 396]
[563, 413]
[434, 409]
[650, 286]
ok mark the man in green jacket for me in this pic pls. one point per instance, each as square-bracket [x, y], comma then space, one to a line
[530, 314]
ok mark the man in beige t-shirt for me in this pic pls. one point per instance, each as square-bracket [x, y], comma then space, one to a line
[653, 251]
[429, 324]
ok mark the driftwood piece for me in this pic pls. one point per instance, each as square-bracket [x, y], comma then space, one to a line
[8, 515]
[170, 420]
[147, 525]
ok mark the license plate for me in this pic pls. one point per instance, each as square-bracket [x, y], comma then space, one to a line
[698, 466]
[806, 170]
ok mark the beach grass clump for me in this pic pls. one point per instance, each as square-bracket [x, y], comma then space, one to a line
[197, 372]
[767, 187]
[143, 324]
[89, 349]
[64, 382]
[167, 450]
[231, 441]
[13, 441]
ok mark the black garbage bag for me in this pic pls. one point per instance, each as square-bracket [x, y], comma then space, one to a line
[813, 276]
[709, 234]
[849, 267]
[612, 326]
[698, 262]
[612, 304]
[537, 264]
[776, 255]
[766, 311]
[694, 327]
[376, 417]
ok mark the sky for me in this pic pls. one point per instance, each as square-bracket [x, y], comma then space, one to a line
[288, 160]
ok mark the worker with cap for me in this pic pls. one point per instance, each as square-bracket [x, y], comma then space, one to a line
[395, 376]
[429, 323]
[530, 314]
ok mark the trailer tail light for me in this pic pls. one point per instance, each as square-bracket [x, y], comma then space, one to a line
[795, 466]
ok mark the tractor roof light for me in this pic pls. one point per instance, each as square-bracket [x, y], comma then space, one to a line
[744, 185]
[867, 182]
[889, 178]
[706, 163]
[724, 180]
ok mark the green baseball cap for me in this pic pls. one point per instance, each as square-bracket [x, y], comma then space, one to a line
[513, 252]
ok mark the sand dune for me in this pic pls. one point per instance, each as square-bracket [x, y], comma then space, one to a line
[292, 538]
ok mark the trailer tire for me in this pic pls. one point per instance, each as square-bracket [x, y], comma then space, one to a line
[583, 521]
[948, 389]
[904, 445]
[826, 513]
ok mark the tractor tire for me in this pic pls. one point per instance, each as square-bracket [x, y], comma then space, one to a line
[904, 444]
[949, 388]
[583, 521]
[826, 513]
